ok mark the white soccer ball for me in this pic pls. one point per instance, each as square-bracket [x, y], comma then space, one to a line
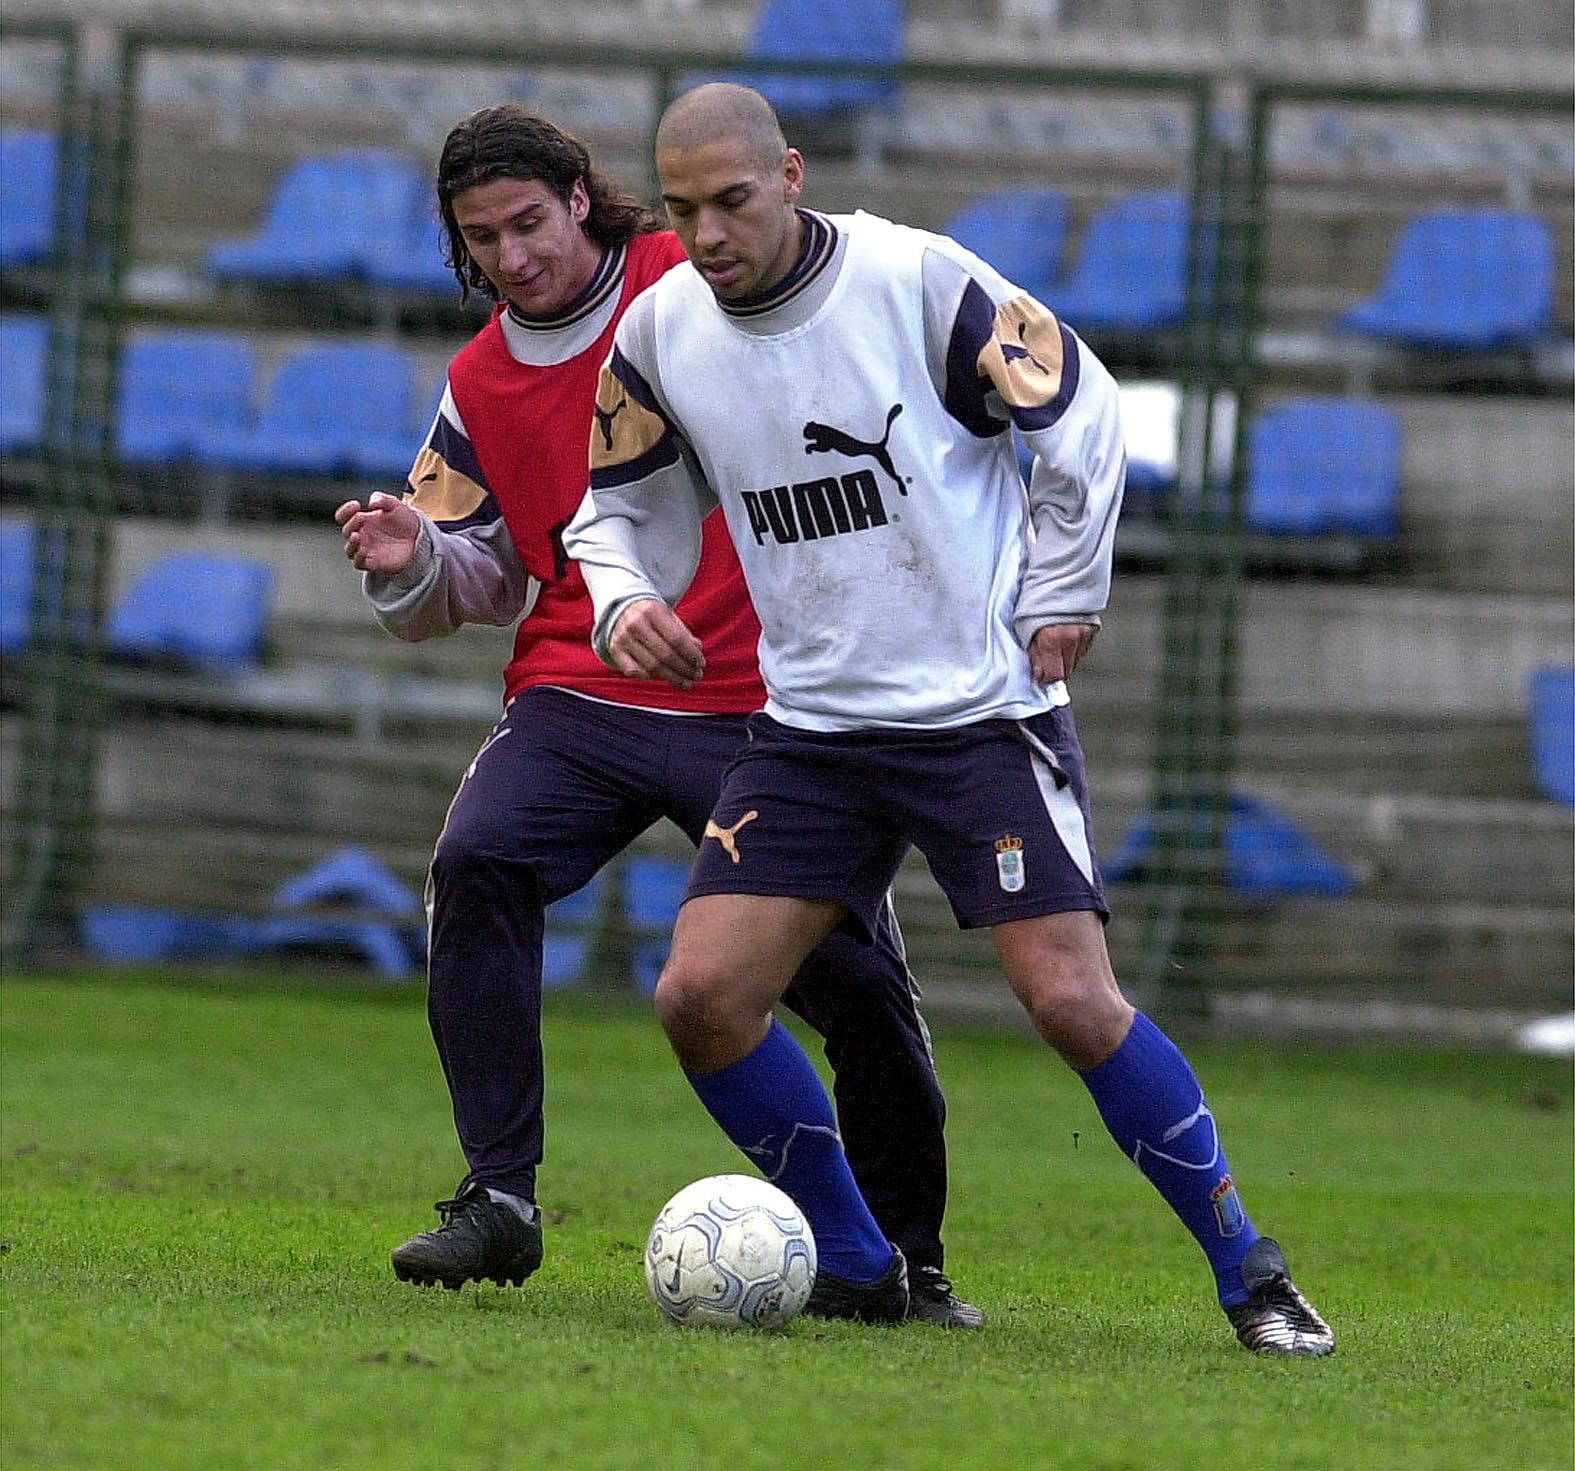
[730, 1251]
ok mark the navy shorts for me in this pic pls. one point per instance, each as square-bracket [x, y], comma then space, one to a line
[999, 809]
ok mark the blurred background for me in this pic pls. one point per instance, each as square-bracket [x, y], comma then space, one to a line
[1324, 244]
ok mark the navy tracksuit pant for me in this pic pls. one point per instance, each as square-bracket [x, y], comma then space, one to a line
[563, 785]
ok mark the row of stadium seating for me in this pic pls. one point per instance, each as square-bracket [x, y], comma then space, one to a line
[347, 410]
[1468, 280]
[208, 614]
[337, 408]
[351, 903]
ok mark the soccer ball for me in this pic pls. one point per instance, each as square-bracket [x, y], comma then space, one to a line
[730, 1251]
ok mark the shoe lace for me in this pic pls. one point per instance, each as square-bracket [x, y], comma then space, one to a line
[450, 1210]
[1286, 1300]
[933, 1279]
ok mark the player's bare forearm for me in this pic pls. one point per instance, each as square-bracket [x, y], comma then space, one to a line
[650, 641]
[1058, 648]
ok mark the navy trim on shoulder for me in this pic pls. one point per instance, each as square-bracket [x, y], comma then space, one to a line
[965, 388]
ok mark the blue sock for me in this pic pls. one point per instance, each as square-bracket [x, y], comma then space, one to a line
[1152, 1103]
[773, 1106]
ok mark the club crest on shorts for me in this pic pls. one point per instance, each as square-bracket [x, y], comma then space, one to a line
[1227, 1207]
[1009, 863]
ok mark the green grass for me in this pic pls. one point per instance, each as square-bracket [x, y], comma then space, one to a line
[202, 1182]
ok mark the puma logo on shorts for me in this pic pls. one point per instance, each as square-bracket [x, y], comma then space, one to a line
[728, 836]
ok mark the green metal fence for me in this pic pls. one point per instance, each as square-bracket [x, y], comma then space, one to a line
[1181, 931]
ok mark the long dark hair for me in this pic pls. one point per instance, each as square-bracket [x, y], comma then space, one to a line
[512, 142]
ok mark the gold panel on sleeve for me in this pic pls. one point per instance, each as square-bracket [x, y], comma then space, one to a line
[1023, 357]
[624, 430]
[440, 490]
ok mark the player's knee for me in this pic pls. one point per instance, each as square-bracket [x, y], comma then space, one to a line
[474, 859]
[1078, 1011]
[696, 1011]
[461, 850]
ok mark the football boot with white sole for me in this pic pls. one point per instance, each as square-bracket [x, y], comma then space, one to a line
[1277, 1319]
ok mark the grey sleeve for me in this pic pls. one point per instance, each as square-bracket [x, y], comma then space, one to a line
[1002, 361]
[454, 578]
[637, 533]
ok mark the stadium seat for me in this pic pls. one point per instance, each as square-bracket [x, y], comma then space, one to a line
[1463, 280]
[325, 404]
[826, 30]
[1552, 733]
[378, 908]
[29, 160]
[1131, 269]
[24, 351]
[1018, 231]
[180, 392]
[1324, 465]
[326, 216]
[203, 610]
[411, 258]
[654, 888]
[1266, 855]
[388, 457]
[131, 934]
[570, 934]
[16, 585]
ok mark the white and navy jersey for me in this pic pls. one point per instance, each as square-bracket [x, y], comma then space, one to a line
[856, 430]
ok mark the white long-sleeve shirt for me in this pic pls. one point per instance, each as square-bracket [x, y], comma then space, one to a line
[856, 431]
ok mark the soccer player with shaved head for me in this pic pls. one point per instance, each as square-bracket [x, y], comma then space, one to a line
[845, 390]
[583, 760]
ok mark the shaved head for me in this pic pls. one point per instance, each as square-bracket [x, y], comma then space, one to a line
[722, 110]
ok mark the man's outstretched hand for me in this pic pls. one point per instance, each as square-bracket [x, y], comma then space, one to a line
[380, 536]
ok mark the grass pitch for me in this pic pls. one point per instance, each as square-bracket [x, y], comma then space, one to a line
[202, 1182]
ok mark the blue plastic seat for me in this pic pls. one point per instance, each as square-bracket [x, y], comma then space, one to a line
[1463, 280]
[1552, 733]
[1131, 269]
[1018, 231]
[131, 934]
[569, 935]
[205, 610]
[29, 160]
[825, 30]
[654, 889]
[17, 558]
[1324, 465]
[182, 391]
[24, 346]
[325, 403]
[411, 259]
[326, 218]
[379, 909]
[1266, 854]
[388, 457]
